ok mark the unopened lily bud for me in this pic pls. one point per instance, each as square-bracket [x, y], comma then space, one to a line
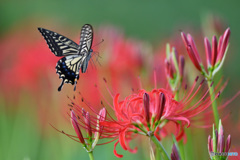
[76, 127]
[146, 103]
[175, 154]
[161, 105]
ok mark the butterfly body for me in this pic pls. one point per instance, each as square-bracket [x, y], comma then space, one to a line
[85, 63]
[75, 57]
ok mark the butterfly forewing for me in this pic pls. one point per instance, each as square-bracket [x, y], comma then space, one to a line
[58, 44]
[86, 38]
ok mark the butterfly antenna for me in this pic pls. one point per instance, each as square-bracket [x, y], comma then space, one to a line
[98, 43]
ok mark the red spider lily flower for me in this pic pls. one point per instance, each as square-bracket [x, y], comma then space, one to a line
[215, 55]
[216, 144]
[144, 112]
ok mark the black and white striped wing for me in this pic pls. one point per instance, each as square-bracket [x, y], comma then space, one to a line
[68, 69]
[58, 44]
[86, 38]
[85, 45]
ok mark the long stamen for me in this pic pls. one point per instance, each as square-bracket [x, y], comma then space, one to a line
[104, 98]
[155, 79]
[195, 93]
[110, 93]
[191, 90]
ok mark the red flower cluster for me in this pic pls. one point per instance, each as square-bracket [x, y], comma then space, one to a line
[148, 112]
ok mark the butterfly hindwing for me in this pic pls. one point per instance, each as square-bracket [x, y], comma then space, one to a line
[58, 44]
[68, 69]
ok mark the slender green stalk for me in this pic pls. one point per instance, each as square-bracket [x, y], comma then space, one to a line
[152, 156]
[181, 149]
[176, 97]
[160, 147]
[180, 144]
[214, 102]
[90, 154]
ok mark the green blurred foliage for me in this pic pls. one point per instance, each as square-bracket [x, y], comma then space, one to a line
[21, 136]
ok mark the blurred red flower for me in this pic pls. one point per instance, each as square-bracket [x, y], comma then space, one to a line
[123, 58]
[25, 64]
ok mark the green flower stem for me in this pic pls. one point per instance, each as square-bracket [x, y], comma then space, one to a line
[181, 149]
[180, 144]
[160, 147]
[214, 102]
[90, 154]
[176, 97]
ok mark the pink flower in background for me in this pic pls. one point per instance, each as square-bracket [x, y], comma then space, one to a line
[215, 54]
[123, 58]
[27, 65]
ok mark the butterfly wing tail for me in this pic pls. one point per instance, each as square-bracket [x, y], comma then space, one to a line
[61, 85]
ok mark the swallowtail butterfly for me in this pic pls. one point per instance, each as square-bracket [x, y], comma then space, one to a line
[75, 57]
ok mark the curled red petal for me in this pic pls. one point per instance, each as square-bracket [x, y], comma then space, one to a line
[130, 149]
[180, 119]
[180, 135]
[115, 151]
[116, 106]
[122, 140]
